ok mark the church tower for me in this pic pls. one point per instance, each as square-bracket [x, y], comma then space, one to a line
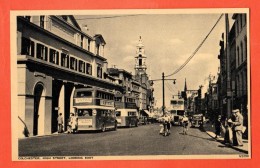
[140, 66]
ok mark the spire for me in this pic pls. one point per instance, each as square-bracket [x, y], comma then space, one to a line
[185, 86]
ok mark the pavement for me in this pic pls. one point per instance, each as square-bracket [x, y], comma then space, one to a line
[209, 128]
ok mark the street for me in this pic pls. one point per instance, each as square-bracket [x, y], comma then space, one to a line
[142, 140]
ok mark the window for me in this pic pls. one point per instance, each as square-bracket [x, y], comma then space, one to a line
[173, 102]
[27, 47]
[242, 53]
[118, 113]
[85, 112]
[65, 18]
[140, 61]
[73, 63]
[81, 40]
[28, 18]
[238, 55]
[244, 19]
[88, 44]
[245, 44]
[64, 60]
[241, 22]
[84, 94]
[131, 113]
[81, 66]
[42, 52]
[54, 56]
[99, 71]
[88, 69]
[42, 21]
[98, 49]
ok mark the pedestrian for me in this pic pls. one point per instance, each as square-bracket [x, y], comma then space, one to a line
[218, 126]
[237, 128]
[60, 123]
[227, 129]
[69, 129]
[74, 122]
[185, 122]
[166, 124]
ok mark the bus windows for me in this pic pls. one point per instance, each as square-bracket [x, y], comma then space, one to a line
[180, 102]
[84, 112]
[173, 102]
[173, 112]
[84, 94]
[180, 112]
[131, 113]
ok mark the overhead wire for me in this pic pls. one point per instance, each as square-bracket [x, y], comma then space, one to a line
[197, 49]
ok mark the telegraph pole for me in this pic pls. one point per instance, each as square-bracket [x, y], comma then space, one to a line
[163, 106]
[163, 92]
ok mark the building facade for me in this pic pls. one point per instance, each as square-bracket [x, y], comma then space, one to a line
[54, 56]
[146, 98]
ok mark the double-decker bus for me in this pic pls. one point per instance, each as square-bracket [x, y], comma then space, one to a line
[95, 109]
[177, 110]
[127, 117]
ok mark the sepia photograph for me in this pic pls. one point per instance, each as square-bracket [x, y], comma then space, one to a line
[133, 84]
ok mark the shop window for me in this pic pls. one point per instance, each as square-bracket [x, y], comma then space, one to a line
[27, 47]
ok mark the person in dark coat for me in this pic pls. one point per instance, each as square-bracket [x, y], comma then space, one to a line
[218, 126]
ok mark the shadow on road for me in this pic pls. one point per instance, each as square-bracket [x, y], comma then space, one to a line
[209, 139]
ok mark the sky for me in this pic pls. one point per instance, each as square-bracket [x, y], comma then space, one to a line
[169, 39]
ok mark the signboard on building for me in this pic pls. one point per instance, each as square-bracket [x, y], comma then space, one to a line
[83, 100]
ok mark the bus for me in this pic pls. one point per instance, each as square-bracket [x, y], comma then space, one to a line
[95, 109]
[177, 110]
[127, 117]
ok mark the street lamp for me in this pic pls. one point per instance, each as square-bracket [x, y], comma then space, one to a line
[163, 95]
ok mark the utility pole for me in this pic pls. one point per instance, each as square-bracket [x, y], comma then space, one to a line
[163, 92]
[163, 106]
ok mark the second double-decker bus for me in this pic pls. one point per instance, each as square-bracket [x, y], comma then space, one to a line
[95, 109]
[177, 110]
[127, 117]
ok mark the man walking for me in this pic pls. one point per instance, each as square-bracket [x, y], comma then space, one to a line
[237, 128]
[60, 123]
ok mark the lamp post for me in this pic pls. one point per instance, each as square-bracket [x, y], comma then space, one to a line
[163, 90]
